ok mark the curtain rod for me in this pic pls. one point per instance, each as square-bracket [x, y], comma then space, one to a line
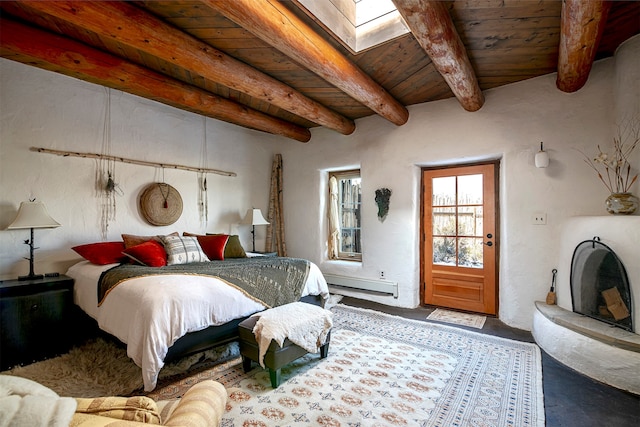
[131, 161]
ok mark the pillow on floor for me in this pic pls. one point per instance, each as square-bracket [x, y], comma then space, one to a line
[138, 408]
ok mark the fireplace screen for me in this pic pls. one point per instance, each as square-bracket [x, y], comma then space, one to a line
[599, 284]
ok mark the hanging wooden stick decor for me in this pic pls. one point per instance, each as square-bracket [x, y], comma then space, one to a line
[130, 161]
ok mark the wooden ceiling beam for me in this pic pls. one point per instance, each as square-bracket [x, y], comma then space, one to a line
[272, 22]
[433, 28]
[135, 28]
[53, 52]
[581, 28]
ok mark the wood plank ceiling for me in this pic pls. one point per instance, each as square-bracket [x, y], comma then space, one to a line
[269, 65]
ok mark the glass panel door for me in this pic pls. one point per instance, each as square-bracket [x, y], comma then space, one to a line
[458, 251]
[457, 220]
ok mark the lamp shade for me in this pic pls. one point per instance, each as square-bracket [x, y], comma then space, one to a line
[254, 217]
[542, 157]
[33, 215]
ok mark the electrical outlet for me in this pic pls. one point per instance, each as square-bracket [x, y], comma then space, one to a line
[539, 218]
[382, 274]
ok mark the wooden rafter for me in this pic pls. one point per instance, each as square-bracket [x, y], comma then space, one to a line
[433, 28]
[56, 53]
[582, 25]
[507, 41]
[272, 22]
[135, 28]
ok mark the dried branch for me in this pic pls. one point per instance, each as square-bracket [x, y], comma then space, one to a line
[614, 170]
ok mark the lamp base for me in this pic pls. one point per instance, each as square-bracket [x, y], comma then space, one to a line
[31, 277]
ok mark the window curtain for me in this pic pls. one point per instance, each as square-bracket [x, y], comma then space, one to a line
[275, 216]
[334, 222]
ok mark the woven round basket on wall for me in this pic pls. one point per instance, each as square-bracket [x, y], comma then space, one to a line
[160, 204]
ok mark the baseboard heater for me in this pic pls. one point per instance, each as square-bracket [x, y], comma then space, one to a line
[357, 284]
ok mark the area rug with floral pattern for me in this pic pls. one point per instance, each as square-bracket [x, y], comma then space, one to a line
[384, 370]
[381, 370]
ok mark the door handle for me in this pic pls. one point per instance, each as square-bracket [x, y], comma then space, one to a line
[489, 236]
[489, 243]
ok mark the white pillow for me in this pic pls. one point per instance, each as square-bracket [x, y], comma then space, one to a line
[183, 250]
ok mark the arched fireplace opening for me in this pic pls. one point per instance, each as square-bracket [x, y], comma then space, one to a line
[599, 285]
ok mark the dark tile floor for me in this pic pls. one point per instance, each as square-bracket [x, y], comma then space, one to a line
[570, 398]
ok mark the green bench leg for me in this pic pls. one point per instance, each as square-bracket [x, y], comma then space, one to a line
[275, 377]
[246, 364]
[324, 350]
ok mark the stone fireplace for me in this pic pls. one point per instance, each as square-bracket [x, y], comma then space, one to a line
[592, 341]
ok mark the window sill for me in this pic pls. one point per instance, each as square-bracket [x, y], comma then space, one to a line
[344, 261]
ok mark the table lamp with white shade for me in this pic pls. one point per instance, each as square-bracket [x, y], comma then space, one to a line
[32, 215]
[254, 217]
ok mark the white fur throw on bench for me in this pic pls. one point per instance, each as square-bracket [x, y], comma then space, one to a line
[305, 325]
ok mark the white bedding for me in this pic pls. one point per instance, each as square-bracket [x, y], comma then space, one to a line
[149, 314]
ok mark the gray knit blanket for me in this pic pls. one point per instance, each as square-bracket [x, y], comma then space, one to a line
[273, 281]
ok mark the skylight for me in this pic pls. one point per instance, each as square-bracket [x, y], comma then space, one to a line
[370, 10]
[359, 24]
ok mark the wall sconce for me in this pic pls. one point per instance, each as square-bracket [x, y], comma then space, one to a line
[542, 157]
[32, 215]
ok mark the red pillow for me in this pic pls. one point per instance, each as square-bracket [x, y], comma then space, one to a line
[150, 253]
[213, 246]
[102, 253]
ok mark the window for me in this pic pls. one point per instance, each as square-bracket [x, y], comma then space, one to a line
[357, 24]
[344, 215]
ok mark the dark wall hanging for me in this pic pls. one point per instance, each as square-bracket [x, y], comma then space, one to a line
[382, 200]
[160, 204]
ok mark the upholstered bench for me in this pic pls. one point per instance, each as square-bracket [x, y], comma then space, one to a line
[276, 356]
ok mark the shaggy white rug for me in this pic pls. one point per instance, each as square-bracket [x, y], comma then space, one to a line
[100, 367]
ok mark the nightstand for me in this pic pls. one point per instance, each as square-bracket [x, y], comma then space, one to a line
[35, 319]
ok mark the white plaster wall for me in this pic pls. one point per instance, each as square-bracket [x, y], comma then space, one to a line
[627, 89]
[509, 127]
[44, 109]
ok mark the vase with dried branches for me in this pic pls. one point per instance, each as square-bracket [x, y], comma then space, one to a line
[615, 171]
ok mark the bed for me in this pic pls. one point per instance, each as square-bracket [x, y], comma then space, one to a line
[164, 313]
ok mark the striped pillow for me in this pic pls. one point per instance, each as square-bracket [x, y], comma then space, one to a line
[202, 405]
[183, 250]
[138, 408]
